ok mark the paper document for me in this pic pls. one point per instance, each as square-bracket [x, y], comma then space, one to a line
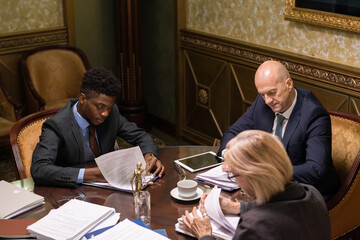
[216, 177]
[128, 230]
[70, 221]
[118, 168]
[222, 226]
[213, 209]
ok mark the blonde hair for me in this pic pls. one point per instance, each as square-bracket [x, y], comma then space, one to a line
[261, 158]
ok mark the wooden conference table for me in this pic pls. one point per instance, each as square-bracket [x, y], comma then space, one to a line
[165, 210]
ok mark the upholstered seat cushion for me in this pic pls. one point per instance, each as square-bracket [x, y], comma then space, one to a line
[345, 144]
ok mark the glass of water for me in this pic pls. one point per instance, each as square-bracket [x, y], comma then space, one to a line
[143, 206]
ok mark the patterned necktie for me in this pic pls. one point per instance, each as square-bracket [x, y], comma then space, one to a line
[279, 127]
[92, 140]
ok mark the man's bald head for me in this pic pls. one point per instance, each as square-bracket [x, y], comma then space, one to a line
[274, 84]
[272, 69]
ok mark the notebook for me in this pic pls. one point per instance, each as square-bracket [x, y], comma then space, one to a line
[15, 200]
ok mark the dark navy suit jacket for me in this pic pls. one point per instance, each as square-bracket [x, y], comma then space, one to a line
[307, 139]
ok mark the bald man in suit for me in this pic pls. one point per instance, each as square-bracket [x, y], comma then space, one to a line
[305, 126]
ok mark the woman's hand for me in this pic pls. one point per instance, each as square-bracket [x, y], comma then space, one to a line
[227, 206]
[196, 225]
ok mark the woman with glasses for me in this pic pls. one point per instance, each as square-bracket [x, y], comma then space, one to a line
[281, 209]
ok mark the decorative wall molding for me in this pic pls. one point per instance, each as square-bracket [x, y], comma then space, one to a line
[20, 42]
[236, 50]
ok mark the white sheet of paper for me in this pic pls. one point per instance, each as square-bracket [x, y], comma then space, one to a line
[70, 221]
[218, 177]
[217, 230]
[118, 166]
[128, 230]
[213, 209]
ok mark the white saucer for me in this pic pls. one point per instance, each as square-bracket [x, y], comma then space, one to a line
[175, 194]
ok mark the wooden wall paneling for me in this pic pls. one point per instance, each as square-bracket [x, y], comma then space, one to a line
[354, 105]
[335, 85]
[204, 88]
[329, 98]
[243, 91]
[131, 101]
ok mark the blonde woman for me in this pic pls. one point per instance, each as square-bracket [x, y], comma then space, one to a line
[281, 209]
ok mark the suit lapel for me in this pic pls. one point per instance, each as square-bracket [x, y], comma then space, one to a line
[78, 136]
[293, 120]
[268, 120]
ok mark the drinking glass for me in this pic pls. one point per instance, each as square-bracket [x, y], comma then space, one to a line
[143, 206]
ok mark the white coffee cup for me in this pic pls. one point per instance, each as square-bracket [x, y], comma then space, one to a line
[187, 188]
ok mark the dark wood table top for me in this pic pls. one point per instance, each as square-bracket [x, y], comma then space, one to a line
[165, 210]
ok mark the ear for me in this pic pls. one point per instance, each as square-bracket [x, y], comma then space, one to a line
[289, 84]
[82, 98]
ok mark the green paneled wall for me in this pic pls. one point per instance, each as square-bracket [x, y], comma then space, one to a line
[158, 65]
[95, 32]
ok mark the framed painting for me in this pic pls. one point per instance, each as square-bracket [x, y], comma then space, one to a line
[338, 14]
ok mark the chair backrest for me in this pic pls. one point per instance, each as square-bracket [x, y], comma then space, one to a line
[53, 75]
[9, 111]
[345, 141]
[344, 208]
[24, 136]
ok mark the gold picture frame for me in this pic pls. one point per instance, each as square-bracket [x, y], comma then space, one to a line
[321, 18]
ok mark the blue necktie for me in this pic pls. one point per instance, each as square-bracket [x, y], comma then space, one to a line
[279, 128]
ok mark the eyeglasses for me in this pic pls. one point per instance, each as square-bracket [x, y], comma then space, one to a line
[231, 177]
[180, 171]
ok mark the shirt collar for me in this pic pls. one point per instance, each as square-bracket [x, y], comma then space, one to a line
[288, 112]
[82, 122]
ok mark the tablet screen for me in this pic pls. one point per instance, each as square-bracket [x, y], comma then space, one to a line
[198, 162]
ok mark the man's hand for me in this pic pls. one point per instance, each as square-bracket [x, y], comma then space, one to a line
[154, 164]
[93, 175]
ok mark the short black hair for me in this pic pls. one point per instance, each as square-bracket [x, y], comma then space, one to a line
[99, 80]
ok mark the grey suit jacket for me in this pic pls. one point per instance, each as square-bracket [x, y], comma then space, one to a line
[297, 213]
[61, 145]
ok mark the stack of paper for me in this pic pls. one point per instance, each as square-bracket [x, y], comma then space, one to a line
[216, 177]
[15, 200]
[72, 220]
[118, 175]
[223, 227]
[128, 230]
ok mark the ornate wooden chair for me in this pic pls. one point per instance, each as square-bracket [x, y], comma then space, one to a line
[52, 75]
[24, 136]
[344, 207]
[10, 111]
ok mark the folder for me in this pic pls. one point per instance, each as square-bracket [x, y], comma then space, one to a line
[15, 200]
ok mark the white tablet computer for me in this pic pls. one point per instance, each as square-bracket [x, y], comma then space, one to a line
[198, 162]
